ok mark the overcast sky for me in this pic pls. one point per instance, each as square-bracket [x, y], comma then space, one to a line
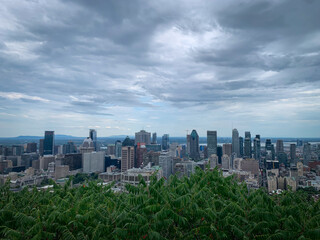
[163, 66]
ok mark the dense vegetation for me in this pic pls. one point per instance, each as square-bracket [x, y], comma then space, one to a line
[205, 206]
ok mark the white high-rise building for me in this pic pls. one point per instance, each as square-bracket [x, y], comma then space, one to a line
[93, 162]
[225, 162]
[166, 162]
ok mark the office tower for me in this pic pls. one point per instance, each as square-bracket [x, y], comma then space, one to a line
[41, 141]
[111, 149]
[166, 163]
[247, 145]
[142, 137]
[188, 144]
[127, 158]
[227, 149]
[141, 152]
[93, 136]
[235, 142]
[268, 144]
[93, 162]
[194, 145]
[127, 142]
[256, 147]
[73, 160]
[241, 146]
[279, 147]
[165, 142]
[31, 147]
[48, 143]
[293, 153]
[118, 146]
[69, 148]
[211, 143]
[306, 153]
[87, 146]
[17, 150]
[154, 138]
[269, 148]
[219, 153]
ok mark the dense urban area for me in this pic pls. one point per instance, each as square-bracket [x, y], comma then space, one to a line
[275, 166]
[139, 189]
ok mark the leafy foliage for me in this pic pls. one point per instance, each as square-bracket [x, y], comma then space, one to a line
[204, 206]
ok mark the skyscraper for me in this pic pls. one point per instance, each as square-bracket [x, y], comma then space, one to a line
[188, 144]
[256, 147]
[241, 146]
[166, 163]
[154, 138]
[165, 142]
[306, 153]
[227, 149]
[127, 142]
[194, 145]
[279, 146]
[247, 145]
[211, 143]
[48, 143]
[142, 137]
[219, 153]
[127, 158]
[41, 143]
[93, 136]
[141, 152]
[293, 153]
[118, 146]
[235, 142]
[31, 147]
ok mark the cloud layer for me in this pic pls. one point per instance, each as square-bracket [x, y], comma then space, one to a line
[165, 66]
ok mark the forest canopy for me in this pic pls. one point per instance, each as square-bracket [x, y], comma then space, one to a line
[204, 206]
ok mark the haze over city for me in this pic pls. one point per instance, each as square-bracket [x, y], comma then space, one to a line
[162, 66]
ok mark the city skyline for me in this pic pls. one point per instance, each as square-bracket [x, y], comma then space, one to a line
[161, 66]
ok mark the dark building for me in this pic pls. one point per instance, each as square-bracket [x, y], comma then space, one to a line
[28, 158]
[93, 136]
[154, 138]
[17, 150]
[127, 142]
[279, 146]
[247, 145]
[70, 147]
[257, 147]
[112, 162]
[41, 142]
[48, 143]
[293, 153]
[31, 147]
[241, 146]
[211, 143]
[283, 158]
[194, 145]
[74, 161]
[219, 153]
[154, 147]
[165, 142]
